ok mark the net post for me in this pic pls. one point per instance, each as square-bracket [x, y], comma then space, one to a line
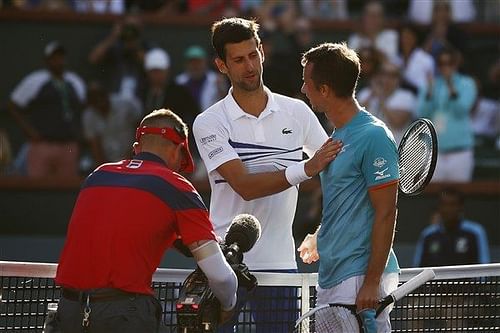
[305, 293]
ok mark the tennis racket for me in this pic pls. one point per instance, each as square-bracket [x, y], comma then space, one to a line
[417, 156]
[333, 318]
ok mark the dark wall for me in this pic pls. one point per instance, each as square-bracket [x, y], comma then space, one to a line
[35, 212]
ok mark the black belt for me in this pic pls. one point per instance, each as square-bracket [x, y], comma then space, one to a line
[96, 295]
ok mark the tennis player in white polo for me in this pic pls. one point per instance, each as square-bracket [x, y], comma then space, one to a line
[252, 144]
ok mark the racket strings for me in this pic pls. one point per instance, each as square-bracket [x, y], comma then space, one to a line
[415, 158]
[333, 319]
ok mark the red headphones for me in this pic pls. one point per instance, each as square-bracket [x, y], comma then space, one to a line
[174, 135]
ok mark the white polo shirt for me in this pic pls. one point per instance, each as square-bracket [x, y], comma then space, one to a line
[276, 139]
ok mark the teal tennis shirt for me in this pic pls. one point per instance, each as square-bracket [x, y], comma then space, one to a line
[368, 159]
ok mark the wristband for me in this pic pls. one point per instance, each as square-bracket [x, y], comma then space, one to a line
[296, 173]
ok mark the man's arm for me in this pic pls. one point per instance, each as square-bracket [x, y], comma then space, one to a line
[384, 202]
[221, 278]
[425, 100]
[98, 53]
[252, 186]
[482, 244]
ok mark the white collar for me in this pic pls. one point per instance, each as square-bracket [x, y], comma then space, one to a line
[235, 111]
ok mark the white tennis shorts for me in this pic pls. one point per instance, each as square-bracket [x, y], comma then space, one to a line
[346, 292]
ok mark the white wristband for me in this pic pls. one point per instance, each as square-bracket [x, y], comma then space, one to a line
[296, 174]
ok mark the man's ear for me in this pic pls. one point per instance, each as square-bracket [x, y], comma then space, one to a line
[136, 147]
[221, 65]
[325, 90]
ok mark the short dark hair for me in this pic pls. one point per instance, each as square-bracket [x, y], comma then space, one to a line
[335, 65]
[232, 30]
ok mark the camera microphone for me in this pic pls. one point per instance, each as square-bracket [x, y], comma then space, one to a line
[244, 231]
[241, 236]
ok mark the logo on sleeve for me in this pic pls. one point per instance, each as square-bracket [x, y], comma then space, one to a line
[134, 164]
[379, 162]
[208, 139]
[214, 152]
[381, 174]
[286, 131]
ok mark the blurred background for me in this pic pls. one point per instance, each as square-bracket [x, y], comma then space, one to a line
[81, 74]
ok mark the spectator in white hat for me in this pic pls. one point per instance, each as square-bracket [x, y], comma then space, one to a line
[161, 91]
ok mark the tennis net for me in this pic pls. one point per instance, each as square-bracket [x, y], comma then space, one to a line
[459, 299]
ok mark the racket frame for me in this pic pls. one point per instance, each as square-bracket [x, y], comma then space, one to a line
[434, 144]
[350, 307]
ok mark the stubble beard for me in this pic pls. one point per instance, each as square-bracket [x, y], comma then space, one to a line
[250, 86]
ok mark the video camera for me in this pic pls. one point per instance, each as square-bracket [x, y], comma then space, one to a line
[197, 308]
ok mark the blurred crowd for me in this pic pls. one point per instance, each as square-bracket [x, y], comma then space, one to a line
[419, 11]
[414, 64]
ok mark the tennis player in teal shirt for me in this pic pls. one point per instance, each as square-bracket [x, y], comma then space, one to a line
[354, 243]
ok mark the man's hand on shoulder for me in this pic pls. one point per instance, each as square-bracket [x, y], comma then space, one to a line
[323, 156]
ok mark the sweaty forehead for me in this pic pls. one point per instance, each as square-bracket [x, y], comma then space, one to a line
[241, 49]
[307, 70]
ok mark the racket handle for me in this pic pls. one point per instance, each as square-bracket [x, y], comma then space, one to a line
[413, 283]
[405, 289]
[368, 319]
[383, 304]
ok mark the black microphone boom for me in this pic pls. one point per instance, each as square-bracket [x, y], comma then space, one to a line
[244, 231]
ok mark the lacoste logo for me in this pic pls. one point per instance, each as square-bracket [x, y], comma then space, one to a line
[286, 131]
